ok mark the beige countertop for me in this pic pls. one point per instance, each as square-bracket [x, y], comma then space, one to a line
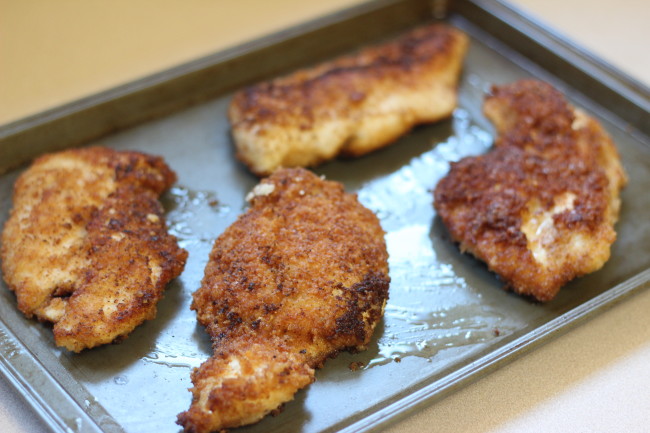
[595, 378]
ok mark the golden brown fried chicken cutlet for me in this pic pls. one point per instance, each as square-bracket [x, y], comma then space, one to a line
[540, 208]
[86, 246]
[302, 275]
[349, 106]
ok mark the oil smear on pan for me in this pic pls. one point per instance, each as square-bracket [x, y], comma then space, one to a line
[196, 218]
[404, 197]
[431, 307]
[8, 347]
[190, 214]
[172, 356]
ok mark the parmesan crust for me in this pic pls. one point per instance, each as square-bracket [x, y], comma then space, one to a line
[540, 208]
[349, 106]
[302, 275]
[86, 246]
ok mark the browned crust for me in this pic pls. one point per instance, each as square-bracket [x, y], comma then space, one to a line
[302, 275]
[267, 373]
[482, 201]
[86, 245]
[343, 82]
[541, 153]
[346, 92]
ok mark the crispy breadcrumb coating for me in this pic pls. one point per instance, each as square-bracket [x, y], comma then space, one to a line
[86, 247]
[302, 275]
[349, 106]
[540, 208]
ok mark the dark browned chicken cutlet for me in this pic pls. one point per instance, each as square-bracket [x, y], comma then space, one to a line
[86, 246]
[540, 208]
[351, 105]
[302, 275]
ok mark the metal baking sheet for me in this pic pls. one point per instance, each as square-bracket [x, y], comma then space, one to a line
[447, 322]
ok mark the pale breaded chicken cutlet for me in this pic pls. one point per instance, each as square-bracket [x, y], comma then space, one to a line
[302, 275]
[86, 247]
[540, 208]
[349, 106]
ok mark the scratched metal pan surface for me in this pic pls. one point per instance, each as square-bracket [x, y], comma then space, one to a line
[448, 320]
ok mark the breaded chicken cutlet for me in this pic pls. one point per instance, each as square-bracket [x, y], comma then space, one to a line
[540, 208]
[349, 106]
[85, 246]
[302, 275]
